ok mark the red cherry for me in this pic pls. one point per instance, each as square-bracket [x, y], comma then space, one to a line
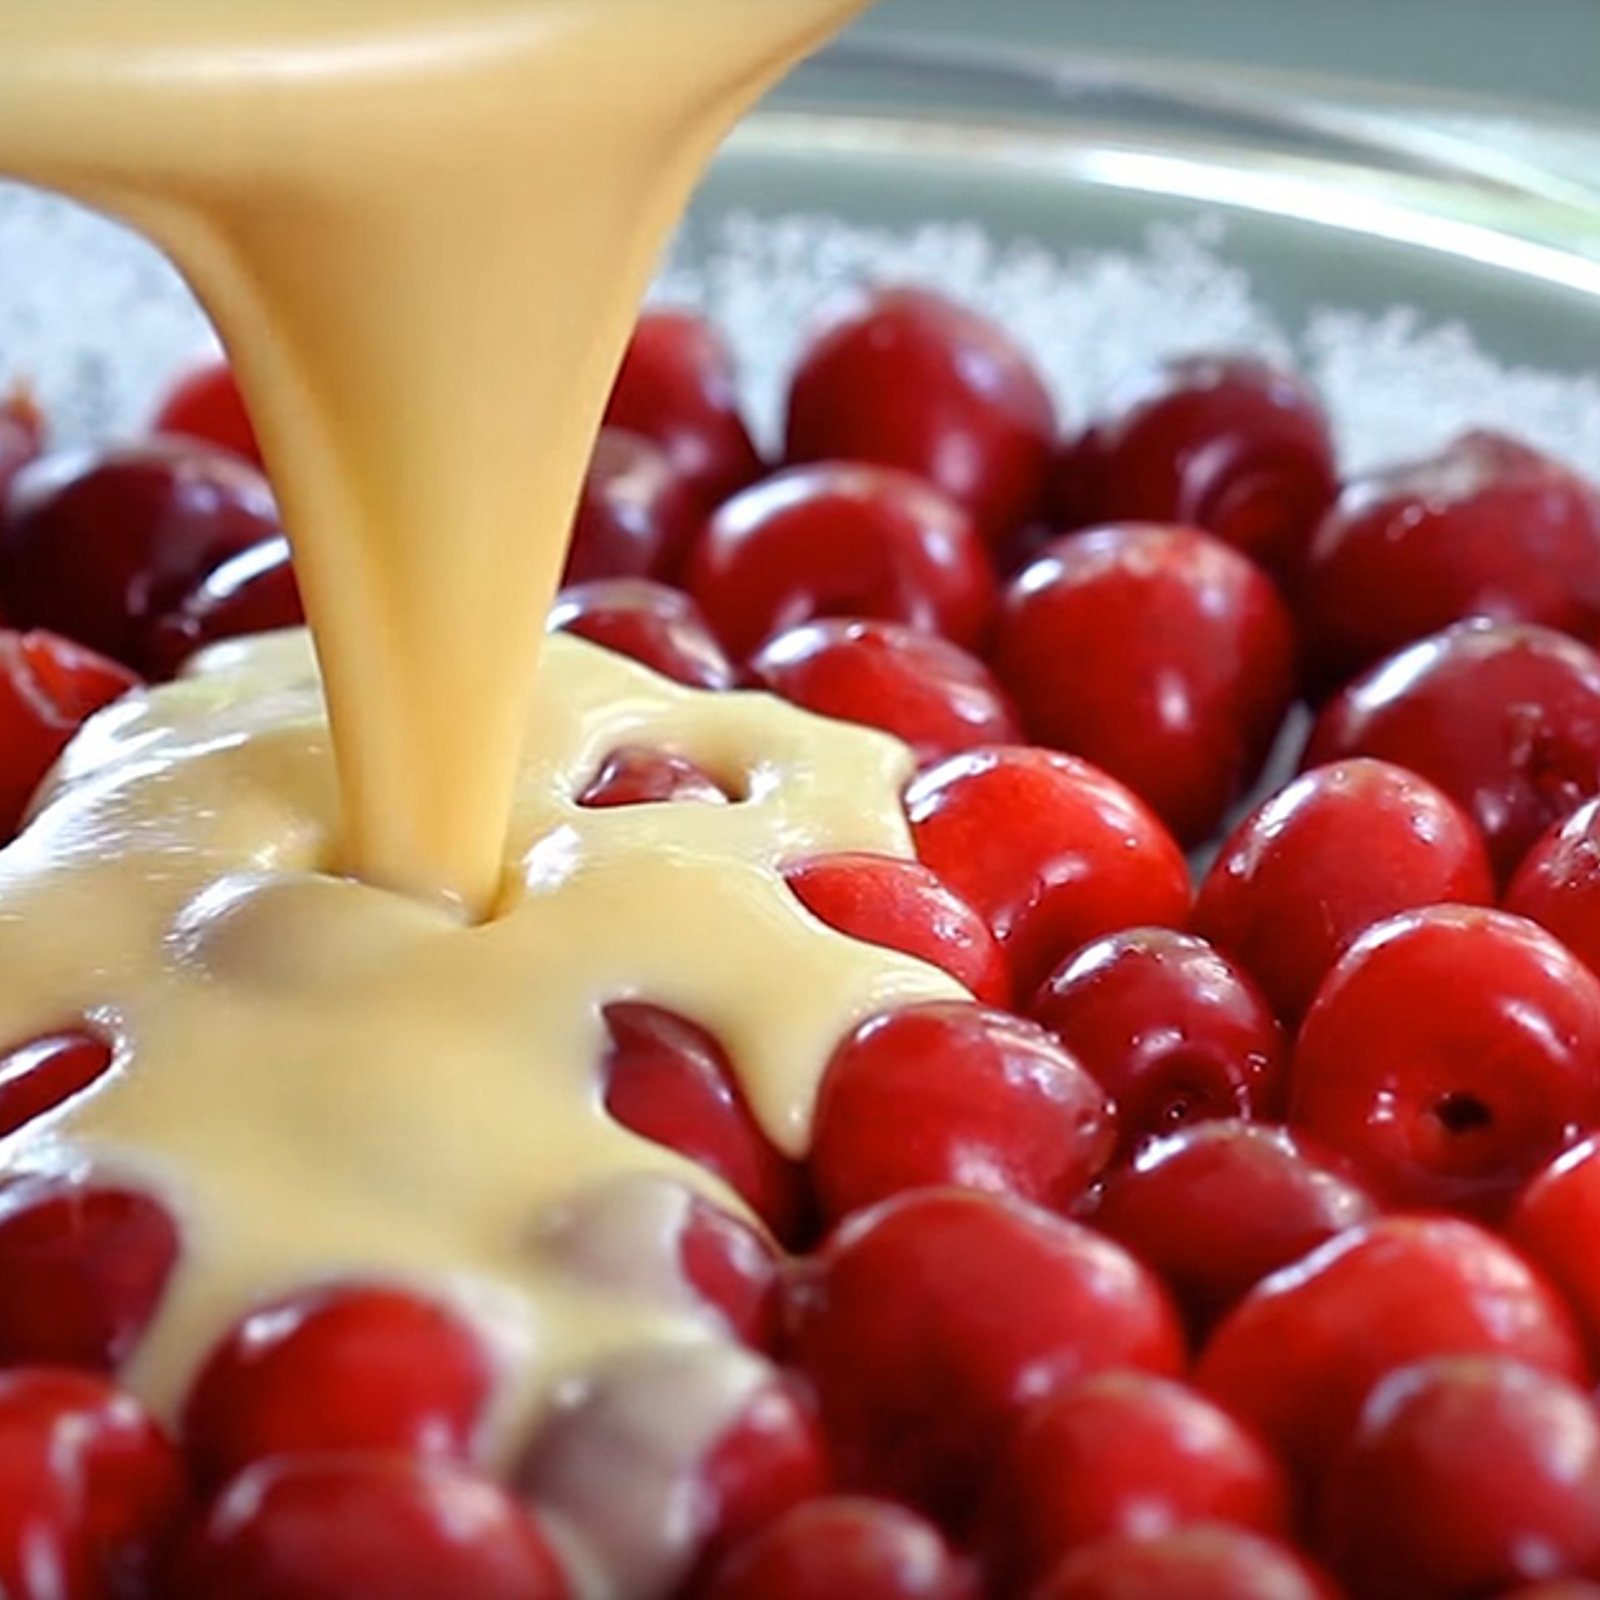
[1558, 883]
[648, 622]
[718, 1484]
[637, 777]
[947, 1093]
[1487, 528]
[90, 1488]
[841, 539]
[1124, 1453]
[85, 1266]
[205, 404]
[903, 906]
[349, 1368]
[49, 687]
[1157, 653]
[367, 1527]
[928, 1323]
[1506, 720]
[919, 687]
[1224, 443]
[677, 386]
[638, 514]
[1300, 1354]
[96, 545]
[1449, 1055]
[734, 1270]
[1047, 849]
[37, 1077]
[1560, 1589]
[670, 1082]
[252, 592]
[1555, 1222]
[1173, 1030]
[1465, 1473]
[912, 380]
[1221, 1205]
[827, 1549]
[1199, 1563]
[1339, 849]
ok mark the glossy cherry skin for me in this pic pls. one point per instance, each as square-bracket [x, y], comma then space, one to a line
[1558, 883]
[927, 1324]
[1465, 1473]
[921, 688]
[840, 539]
[903, 906]
[255, 591]
[678, 387]
[44, 1073]
[1199, 1563]
[1229, 444]
[866, 1549]
[1157, 653]
[205, 404]
[1487, 528]
[1555, 1222]
[1221, 1205]
[85, 1264]
[367, 1527]
[638, 514]
[49, 687]
[911, 380]
[1300, 1354]
[1048, 850]
[1174, 1031]
[97, 544]
[1449, 1056]
[1342, 847]
[1505, 720]
[953, 1094]
[670, 1082]
[346, 1368]
[91, 1489]
[659, 627]
[633, 776]
[1124, 1453]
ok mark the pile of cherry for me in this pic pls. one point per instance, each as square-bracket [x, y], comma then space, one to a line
[1241, 1243]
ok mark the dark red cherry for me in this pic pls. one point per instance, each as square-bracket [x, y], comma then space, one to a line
[252, 592]
[44, 1073]
[636, 777]
[638, 514]
[659, 627]
[1206, 1562]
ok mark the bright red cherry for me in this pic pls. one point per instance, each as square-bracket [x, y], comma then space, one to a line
[1556, 1221]
[671, 1082]
[947, 1093]
[1173, 1030]
[1487, 528]
[828, 1549]
[1506, 720]
[924, 690]
[85, 1265]
[1221, 1205]
[638, 777]
[1301, 1353]
[1339, 849]
[903, 906]
[638, 514]
[367, 1527]
[348, 1368]
[1450, 1054]
[1558, 883]
[1048, 850]
[840, 539]
[911, 380]
[49, 687]
[253, 592]
[96, 545]
[1199, 1563]
[678, 387]
[1124, 1453]
[1225, 443]
[652, 624]
[1464, 1474]
[206, 404]
[44, 1073]
[1157, 653]
[928, 1323]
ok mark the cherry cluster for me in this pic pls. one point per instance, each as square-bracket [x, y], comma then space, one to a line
[1233, 1242]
